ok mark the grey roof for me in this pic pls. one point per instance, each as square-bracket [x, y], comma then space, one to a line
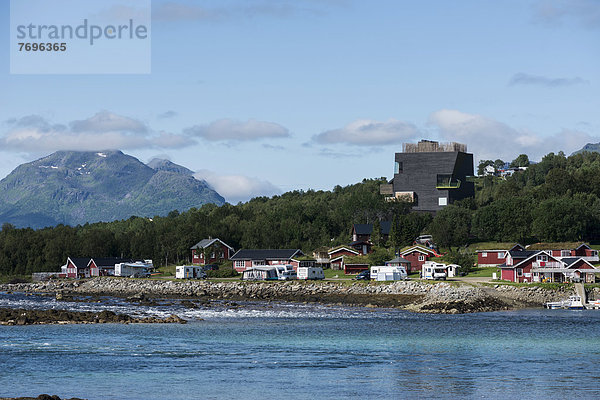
[80, 262]
[204, 243]
[266, 254]
[399, 260]
[363, 229]
[523, 253]
[367, 229]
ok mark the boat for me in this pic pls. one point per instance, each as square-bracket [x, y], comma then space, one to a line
[573, 303]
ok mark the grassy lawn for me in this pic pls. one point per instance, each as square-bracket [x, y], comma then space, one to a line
[482, 272]
[332, 273]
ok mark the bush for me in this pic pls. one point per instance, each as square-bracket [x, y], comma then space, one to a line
[464, 259]
[222, 273]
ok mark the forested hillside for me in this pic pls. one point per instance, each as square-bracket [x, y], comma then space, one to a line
[557, 199]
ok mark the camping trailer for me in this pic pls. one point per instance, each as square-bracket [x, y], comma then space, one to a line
[134, 270]
[388, 273]
[433, 271]
[190, 272]
[310, 273]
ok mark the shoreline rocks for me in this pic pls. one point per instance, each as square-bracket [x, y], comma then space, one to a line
[21, 316]
[417, 296]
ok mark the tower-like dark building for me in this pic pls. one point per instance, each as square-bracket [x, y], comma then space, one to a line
[431, 175]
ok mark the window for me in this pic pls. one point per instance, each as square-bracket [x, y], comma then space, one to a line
[565, 253]
[259, 262]
[398, 167]
[501, 254]
[442, 201]
[240, 263]
[484, 254]
[542, 257]
[519, 271]
[421, 258]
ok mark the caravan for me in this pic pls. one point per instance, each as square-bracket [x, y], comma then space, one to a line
[388, 273]
[310, 273]
[190, 272]
[433, 271]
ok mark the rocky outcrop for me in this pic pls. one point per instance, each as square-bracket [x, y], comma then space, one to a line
[20, 316]
[419, 296]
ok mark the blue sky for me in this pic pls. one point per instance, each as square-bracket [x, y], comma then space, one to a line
[265, 96]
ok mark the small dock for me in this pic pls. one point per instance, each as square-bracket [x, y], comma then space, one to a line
[580, 291]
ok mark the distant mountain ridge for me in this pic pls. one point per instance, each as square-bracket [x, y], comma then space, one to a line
[589, 147]
[71, 187]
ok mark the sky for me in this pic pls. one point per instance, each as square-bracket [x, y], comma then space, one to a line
[260, 97]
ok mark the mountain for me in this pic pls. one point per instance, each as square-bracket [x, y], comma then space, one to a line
[69, 187]
[589, 147]
[166, 165]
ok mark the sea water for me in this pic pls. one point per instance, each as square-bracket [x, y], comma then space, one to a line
[302, 351]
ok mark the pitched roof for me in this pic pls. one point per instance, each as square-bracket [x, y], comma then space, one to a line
[398, 260]
[343, 247]
[386, 226]
[204, 243]
[266, 254]
[367, 229]
[420, 249]
[522, 253]
[571, 261]
[488, 246]
[363, 229]
[80, 262]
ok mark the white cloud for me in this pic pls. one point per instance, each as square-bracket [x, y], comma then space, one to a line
[105, 121]
[229, 129]
[104, 130]
[236, 188]
[487, 138]
[365, 132]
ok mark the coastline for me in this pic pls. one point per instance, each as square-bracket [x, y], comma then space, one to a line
[416, 296]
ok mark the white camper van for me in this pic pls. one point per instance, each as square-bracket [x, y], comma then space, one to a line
[388, 273]
[137, 269]
[189, 272]
[310, 273]
[433, 271]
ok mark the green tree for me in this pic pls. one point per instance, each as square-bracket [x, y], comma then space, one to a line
[451, 226]
[521, 161]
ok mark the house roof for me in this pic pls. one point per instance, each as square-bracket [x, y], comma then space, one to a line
[266, 254]
[558, 246]
[79, 262]
[571, 261]
[496, 246]
[204, 243]
[522, 253]
[367, 229]
[363, 229]
[398, 260]
[420, 249]
[339, 248]
[529, 257]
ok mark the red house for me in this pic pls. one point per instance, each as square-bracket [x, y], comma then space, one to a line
[337, 254]
[248, 258]
[78, 267]
[417, 256]
[541, 266]
[493, 258]
[216, 249]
